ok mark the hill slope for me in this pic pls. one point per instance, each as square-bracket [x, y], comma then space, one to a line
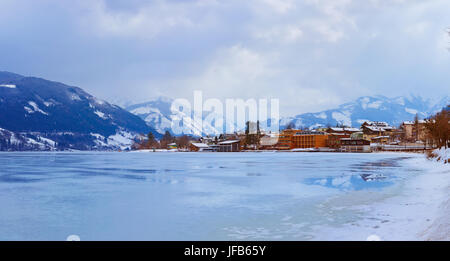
[36, 108]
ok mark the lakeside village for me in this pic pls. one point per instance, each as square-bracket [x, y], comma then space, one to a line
[417, 135]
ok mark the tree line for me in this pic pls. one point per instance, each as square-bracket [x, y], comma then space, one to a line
[438, 128]
[151, 142]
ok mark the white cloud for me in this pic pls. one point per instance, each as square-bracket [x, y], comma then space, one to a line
[233, 72]
[280, 6]
[312, 54]
[146, 21]
[417, 29]
[284, 34]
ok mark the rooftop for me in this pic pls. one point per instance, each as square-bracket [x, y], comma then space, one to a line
[229, 142]
[200, 145]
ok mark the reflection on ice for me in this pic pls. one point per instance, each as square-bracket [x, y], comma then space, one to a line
[186, 196]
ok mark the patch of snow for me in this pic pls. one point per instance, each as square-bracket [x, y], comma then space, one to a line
[375, 105]
[321, 115]
[11, 86]
[48, 103]
[122, 139]
[99, 140]
[317, 125]
[48, 141]
[364, 102]
[145, 110]
[13, 139]
[35, 108]
[342, 117]
[99, 102]
[442, 154]
[412, 111]
[28, 109]
[74, 97]
[400, 100]
[101, 115]
[34, 142]
[98, 136]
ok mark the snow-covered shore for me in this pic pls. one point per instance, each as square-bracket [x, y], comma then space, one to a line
[419, 209]
[441, 155]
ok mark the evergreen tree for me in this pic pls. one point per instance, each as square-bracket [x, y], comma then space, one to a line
[416, 126]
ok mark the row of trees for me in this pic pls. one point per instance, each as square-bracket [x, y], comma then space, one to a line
[152, 143]
[438, 128]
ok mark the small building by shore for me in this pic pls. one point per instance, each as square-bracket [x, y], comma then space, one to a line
[198, 147]
[229, 146]
[355, 145]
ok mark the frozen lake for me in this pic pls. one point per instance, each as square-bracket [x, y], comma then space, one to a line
[194, 196]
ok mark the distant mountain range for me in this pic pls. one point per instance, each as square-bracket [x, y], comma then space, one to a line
[37, 114]
[377, 108]
[394, 111]
[157, 113]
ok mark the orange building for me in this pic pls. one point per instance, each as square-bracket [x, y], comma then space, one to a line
[309, 139]
[285, 139]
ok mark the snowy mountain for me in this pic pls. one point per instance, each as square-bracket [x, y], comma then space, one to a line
[39, 114]
[378, 108]
[155, 113]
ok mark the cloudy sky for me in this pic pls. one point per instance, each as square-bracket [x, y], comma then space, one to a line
[311, 54]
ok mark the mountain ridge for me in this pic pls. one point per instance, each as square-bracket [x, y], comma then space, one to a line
[373, 108]
[35, 105]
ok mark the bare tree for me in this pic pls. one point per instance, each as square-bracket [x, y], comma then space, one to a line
[438, 128]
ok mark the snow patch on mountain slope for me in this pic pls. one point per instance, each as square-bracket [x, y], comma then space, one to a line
[343, 117]
[35, 108]
[98, 101]
[10, 86]
[375, 105]
[364, 102]
[101, 115]
[47, 141]
[400, 100]
[412, 111]
[122, 140]
[321, 115]
[144, 110]
[74, 97]
[48, 103]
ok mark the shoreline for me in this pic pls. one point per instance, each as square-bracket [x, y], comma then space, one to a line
[416, 210]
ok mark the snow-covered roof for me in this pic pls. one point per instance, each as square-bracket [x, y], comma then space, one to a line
[200, 145]
[352, 129]
[412, 123]
[373, 128]
[229, 142]
[343, 129]
[380, 124]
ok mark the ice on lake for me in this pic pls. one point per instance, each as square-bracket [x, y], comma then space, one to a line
[190, 196]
